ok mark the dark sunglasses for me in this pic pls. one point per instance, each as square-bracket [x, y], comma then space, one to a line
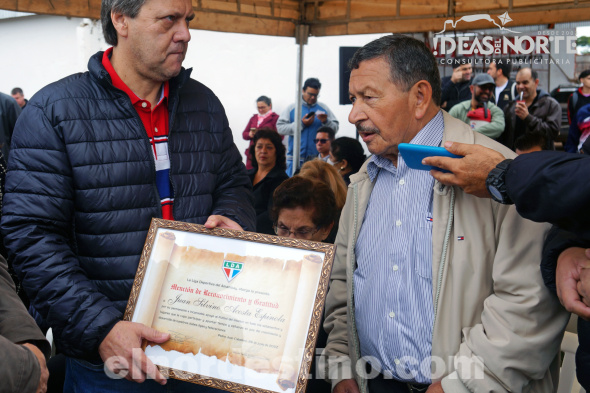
[320, 140]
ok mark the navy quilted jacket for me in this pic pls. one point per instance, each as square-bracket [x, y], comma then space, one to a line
[81, 192]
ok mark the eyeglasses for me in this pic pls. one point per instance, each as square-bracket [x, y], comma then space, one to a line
[322, 141]
[312, 95]
[306, 233]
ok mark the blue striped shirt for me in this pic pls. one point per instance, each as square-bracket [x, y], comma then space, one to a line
[393, 279]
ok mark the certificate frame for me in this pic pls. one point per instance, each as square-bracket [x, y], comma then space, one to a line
[255, 250]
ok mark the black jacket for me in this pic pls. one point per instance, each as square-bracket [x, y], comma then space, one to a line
[544, 118]
[263, 191]
[552, 186]
[81, 192]
[506, 96]
[454, 93]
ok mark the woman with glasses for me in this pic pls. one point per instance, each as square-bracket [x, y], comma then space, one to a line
[305, 209]
[347, 155]
[265, 118]
[268, 172]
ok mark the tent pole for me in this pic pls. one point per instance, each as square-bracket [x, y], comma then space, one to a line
[301, 34]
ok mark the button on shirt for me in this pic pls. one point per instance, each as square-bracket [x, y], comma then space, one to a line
[393, 279]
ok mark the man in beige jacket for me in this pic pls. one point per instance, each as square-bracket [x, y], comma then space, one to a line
[433, 290]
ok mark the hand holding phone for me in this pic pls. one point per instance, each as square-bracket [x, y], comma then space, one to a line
[308, 119]
[414, 154]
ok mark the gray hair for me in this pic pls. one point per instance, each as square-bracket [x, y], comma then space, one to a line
[409, 61]
[126, 7]
[264, 99]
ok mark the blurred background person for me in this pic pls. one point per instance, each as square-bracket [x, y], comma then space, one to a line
[19, 96]
[577, 100]
[327, 174]
[9, 112]
[303, 209]
[306, 209]
[265, 118]
[579, 129]
[323, 142]
[347, 156]
[268, 172]
[530, 143]
[455, 88]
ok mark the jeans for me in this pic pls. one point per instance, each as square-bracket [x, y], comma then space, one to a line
[84, 377]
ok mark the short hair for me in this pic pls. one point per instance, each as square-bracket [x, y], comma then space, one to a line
[264, 99]
[584, 74]
[322, 171]
[305, 193]
[409, 61]
[126, 7]
[351, 150]
[327, 130]
[534, 74]
[275, 138]
[528, 141]
[459, 61]
[504, 65]
[314, 83]
[17, 90]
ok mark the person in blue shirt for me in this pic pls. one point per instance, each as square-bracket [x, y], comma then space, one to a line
[314, 115]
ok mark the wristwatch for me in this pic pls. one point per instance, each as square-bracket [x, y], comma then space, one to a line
[496, 183]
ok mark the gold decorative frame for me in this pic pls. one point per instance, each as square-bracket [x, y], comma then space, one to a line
[327, 249]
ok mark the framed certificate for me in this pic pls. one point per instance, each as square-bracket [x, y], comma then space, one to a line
[243, 309]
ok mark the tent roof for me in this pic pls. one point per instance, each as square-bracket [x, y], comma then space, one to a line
[340, 17]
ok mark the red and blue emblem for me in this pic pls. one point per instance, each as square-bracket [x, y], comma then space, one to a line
[460, 237]
[232, 269]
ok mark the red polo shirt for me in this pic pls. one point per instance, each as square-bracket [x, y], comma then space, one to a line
[155, 123]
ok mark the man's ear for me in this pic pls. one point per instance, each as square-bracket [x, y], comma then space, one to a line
[421, 92]
[120, 22]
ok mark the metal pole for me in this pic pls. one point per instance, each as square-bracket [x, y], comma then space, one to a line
[301, 34]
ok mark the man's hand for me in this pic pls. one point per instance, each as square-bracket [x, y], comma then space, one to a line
[122, 347]
[322, 117]
[457, 75]
[346, 386]
[435, 388]
[469, 172]
[222, 222]
[308, 120]
[42, 387]
[570, 264]
[521, 110]
[584, 284]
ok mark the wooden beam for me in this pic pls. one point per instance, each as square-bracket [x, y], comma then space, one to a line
[234, 23]
[80, 9]
[435, 24]
[334, 17]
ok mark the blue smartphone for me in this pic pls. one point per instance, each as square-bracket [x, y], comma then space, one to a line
[414, 154]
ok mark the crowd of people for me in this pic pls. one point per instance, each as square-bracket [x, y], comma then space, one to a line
[434, 287]
[518, 114]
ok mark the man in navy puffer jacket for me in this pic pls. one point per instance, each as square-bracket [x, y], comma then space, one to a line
[92, 163]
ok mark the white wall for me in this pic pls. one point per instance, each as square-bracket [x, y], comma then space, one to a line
[38, 50]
